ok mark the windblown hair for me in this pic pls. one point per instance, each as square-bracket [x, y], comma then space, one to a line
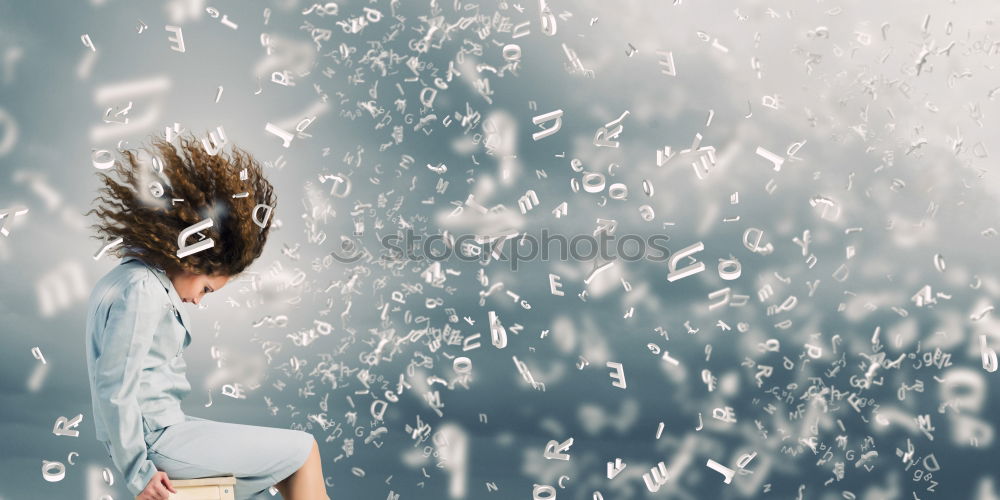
[192, 185]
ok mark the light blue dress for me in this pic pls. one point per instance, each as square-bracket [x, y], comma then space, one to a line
[137, 330]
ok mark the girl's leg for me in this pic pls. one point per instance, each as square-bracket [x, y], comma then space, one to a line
[307, 483]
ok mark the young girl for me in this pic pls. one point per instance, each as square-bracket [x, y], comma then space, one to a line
[189, 222]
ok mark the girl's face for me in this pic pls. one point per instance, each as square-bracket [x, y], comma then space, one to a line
[192, 287]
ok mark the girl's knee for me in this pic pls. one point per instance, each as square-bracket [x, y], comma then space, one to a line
[314, 446]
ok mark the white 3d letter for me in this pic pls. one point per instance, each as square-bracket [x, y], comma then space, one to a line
[183, 250]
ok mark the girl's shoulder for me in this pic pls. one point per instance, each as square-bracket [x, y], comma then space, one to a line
[118, 280]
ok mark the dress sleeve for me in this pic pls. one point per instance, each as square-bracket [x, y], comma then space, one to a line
[123, 344]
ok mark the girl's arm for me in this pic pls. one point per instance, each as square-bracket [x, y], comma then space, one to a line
[123, 344]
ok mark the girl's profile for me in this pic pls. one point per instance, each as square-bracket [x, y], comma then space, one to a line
[138, 326]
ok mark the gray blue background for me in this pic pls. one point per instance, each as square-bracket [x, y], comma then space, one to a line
[906, 156]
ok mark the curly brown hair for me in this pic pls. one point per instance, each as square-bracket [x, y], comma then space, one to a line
[149, 215]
